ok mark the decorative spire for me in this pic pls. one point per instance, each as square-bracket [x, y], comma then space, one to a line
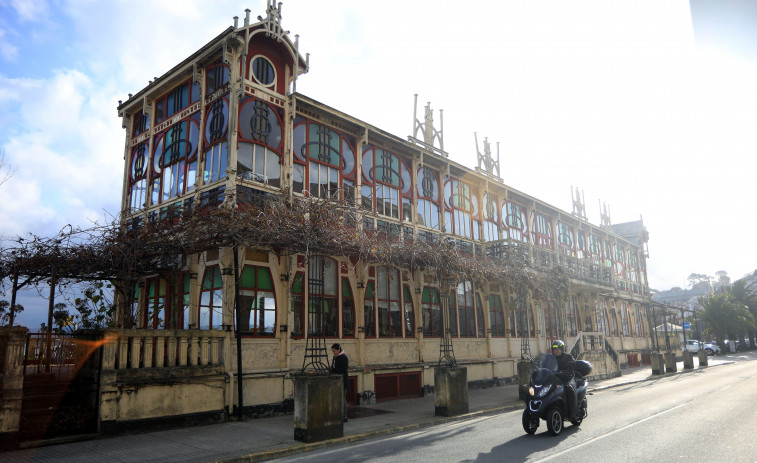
[604, 210]
[489, 165]
[272, 22]
[579, 204]
[432, 139]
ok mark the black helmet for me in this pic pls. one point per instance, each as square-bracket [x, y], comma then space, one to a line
[557, 344]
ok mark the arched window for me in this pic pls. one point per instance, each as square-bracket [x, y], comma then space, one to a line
[480, 316]
[428, 198]
[497, 315]
[640, 331]
[369, 310]
[138, 177]
[260, 142]
[571, 316]
[625, 319]
[298, 304]
[565, 239]
[552, 320]
[409, 313]
[387, 184]
[541, 230]
[595, 250]
[216, 77]
[257, 302]
[633, 270]
[491, 218]
[323, 303]
[324, 161]
[580, 244]
[602, 323]
[515, 222]
[174, 166]
[388, 302]
[461, 209]
[348, 310]
[177, 99]
[210, 315]
[432, 312]
[156, 305]
[466, 309]
[620, 261]
[216, 140]
[141, 124]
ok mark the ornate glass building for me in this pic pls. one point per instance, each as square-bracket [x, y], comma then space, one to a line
[227, 123]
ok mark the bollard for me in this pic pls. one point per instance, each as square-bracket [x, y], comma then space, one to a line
[318, 407]
[670, 362]
[702, 359]
[451, 390]
[658, 367]
[688, 360]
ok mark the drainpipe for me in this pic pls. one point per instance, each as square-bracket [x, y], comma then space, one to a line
[239, 338]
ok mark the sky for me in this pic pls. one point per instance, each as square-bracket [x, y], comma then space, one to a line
[631, 102]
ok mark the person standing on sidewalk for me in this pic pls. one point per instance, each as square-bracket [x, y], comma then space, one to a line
[340, 365]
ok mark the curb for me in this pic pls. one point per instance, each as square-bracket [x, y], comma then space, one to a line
[302, 447]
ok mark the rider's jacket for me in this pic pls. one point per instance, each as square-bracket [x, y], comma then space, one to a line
[565, 366]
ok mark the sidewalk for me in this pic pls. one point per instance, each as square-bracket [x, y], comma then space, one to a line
[267, 438]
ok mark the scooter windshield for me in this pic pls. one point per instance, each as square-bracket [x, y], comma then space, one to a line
[547, 367]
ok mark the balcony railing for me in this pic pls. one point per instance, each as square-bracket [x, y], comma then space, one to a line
[130, 349]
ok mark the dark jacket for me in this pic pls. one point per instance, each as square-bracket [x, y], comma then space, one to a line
[565, 366]
[340, 365]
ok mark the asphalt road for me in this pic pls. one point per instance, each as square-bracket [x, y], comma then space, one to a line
[707, 415]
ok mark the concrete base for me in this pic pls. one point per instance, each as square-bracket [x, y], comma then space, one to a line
[451, 389]
[688, 360]
[524, 377]
[658, 364]
[702, 359]
[8, 441]
[670, 362]
[318, 407]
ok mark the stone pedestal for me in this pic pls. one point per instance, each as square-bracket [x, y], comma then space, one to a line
[658, 364]
[670, 362]
[451, 390]
[702, 359]
[12, 342]
[524, 377]
[318, 407]
[688, 360]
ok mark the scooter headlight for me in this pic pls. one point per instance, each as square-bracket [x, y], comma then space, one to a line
[539, 391]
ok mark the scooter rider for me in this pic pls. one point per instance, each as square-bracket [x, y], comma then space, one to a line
[565, 366]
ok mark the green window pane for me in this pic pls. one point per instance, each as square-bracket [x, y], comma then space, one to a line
[207, 280]
[248, 277]
[264, 278]
[217, 282]
[495, 301]
[186, 283]
[151, 290]
[453, 300]
[369, 290]
[346, 290]
[297, 285]
[408, 297]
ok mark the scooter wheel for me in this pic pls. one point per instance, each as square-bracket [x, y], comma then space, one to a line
[530, 423]
[581, 415]
[554, 421]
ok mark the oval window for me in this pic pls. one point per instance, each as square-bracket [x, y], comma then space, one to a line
[263, 70]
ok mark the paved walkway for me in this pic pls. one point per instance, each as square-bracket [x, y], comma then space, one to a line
[266, 438]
